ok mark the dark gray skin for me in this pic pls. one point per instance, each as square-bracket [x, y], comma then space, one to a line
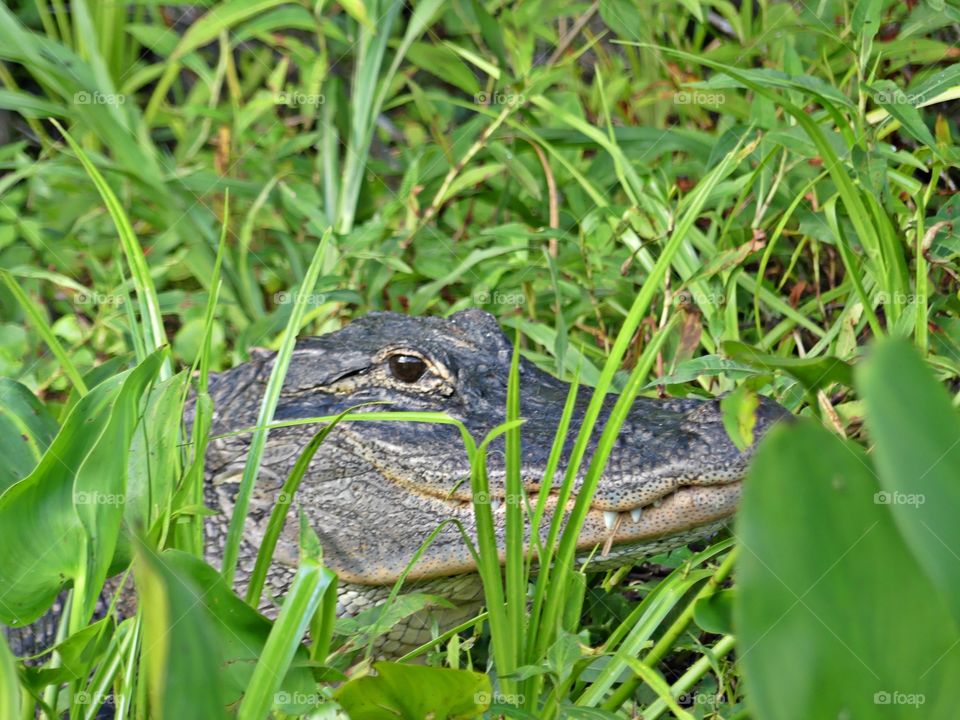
[376, 490]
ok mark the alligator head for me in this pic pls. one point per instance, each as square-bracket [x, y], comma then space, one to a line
[377, 489]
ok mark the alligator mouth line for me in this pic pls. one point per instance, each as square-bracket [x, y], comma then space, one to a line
[687, 506]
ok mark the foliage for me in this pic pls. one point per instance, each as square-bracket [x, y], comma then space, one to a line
[687, 197]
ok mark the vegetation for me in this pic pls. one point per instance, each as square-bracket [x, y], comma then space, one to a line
[681, 197]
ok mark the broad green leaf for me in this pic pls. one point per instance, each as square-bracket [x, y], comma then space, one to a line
[825, 581]
[927, 88]
[26, 430]
[866, 17]
[476, 175]
[62, 521]
[714, 613]
[154, 455]
[413, 693]
[181, 653]
[232, 634]
[286, 18]
[813, 373]
[383, 617]
[427, 293]
[704, 366]
[739, 415]
[79, 651]
[888, 95]
[916, 445]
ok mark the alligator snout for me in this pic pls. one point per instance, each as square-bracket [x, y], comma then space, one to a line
[666, 445]
[376, 490]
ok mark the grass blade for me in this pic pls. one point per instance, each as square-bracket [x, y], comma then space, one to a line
[151, 328]
[46, 332]
[306, 593]
[271, 397]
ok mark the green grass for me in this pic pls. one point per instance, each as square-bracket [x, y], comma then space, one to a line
[681, 197]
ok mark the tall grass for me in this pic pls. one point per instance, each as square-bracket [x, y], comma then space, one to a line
[668, 198]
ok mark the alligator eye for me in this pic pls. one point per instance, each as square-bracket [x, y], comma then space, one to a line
[407, 368]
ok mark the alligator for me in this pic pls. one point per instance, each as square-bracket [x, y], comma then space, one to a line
[376, 489]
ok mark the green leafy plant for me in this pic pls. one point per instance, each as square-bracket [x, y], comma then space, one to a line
[683, 198]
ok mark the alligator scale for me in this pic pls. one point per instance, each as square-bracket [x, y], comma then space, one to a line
[376, 490]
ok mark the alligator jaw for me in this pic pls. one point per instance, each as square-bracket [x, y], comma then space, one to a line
[672, 520]
[376, 490]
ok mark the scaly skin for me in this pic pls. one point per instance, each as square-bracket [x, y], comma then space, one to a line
[376, 490]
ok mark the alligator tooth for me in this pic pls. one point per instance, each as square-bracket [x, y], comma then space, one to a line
[495, 504]
[657, 503]
[635, 514]
[610, 518]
